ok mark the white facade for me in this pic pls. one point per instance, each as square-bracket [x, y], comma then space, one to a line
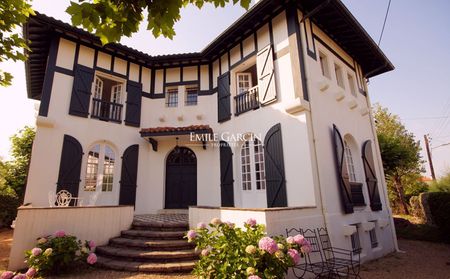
[306, 124]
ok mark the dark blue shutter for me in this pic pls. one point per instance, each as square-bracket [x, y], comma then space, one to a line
[345, 188]
[128, 178]
[134, 99]
[226, 175]
[70, 166]
[223, 97]
[371, 177]
[274, 166]
[81, 91]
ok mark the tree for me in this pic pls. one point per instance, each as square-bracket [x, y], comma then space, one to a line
[442, 184]
[401, 156]
[13, 13]
[17, 169]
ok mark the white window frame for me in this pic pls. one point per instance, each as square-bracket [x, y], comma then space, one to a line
[323, 62]
[108, 169]
[242, 89]
[338, 71]
[116, 95]
[98, 88]
[99, 169]
[252, 165]
[351, 83]
[350, 163]
[92, 166]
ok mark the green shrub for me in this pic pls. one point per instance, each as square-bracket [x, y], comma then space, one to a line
[441, 185]
[230, 252]
[8, 209]
[439, 203]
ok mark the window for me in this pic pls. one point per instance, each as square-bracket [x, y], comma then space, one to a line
[172, 97]
[101, 159]
[351, 83]
[108, 169]
[252, 164]
[338, 73]
[373, 236]
[349, 161]
[324, 65]
[356, 244]
[244, 82]
[191, 96]
[92, 168]
[107, 99]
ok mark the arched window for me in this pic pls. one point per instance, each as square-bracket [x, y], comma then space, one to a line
[252, 165]
[349, 161]
[100, 160]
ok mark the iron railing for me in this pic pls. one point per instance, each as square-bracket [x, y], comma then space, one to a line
[107, 111]
[246, 101]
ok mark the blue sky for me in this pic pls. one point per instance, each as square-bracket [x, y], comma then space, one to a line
[416, 40]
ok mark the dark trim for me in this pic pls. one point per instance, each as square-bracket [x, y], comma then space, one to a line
[111, 67]
[333, 51]
[95, 58]
[271, 32]
[241, 49]
[210, 71]
[178, 83]
[63, 71]
[128, 69]
[152, 81]
[199, 74]
[229, 59]
[77, 54]
[110, 73]
[181, 73]
[48, 79]
[164, 81]
[147, 95]
[157, 96]
[154, 144]
[253, 53]
[220, 65]
[207, 92]
[255, 40]
[175, 133]
[294, 27]
[140, 74]
[311, 53]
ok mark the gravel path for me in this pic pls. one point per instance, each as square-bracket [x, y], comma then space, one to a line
[420, 260]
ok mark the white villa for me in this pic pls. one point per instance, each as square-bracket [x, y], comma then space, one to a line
[271, 120]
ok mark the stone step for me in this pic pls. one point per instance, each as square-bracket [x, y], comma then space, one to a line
[174, 267]
[153, 234]
[166, 245]
[160, 226]
[130, 254]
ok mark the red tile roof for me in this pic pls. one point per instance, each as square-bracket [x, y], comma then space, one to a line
[206, 129]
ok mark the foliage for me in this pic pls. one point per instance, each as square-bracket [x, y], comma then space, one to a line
[111, 19]
[8, 209]
[17, 170]
[401, 157]
[56, 253]
[230, 252]
[13, 13]
[408, 230]
[439, 203]
[441, 185]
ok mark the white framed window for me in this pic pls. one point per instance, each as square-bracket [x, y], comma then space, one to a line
[116, 93]
[98, 88]
[191, 96]
[244, 82]
[349, 162]
[100, 160]
[323, 60]
[338, 73]
[172, 97]
[373, 236]
[351, 84]
[107, 98]
[252, 165]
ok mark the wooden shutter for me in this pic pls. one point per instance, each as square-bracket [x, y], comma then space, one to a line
[266, 76]
[223, 97]
[226, 175]
[342, 172]
[128, 177]
[81, 91]
[274, 166]
[70, 166]
[133, 108]
[371, 177]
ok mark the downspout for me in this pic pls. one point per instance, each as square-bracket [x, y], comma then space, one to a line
[381, 171]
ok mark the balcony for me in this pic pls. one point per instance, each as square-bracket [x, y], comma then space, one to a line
[246, 101]
[106, 111]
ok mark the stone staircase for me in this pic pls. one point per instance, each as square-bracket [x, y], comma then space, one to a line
[154, 244]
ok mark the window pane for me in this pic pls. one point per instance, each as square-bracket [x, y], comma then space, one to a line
[349, 161]
[259, 164]
[245, 160]
[172, 97]
[191, 96]
[92, 169]
[108, 169]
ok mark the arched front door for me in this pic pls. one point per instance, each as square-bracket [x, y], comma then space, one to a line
[181, 178]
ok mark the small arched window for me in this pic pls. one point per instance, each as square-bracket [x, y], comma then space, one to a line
[100, 160]
[349, 161]
[252, 165]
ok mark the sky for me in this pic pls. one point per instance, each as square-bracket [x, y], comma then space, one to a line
[416, 39]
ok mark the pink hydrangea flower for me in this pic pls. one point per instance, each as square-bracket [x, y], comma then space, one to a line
[229, 224]
[290, 240]
[201, 225]
[205, 252]
[306, 247]
[268, 244]
[7, 275]
[295, 256]
[254, 277]
[31, 272]
[216, 221]
[92, 258]
[191, 234]
[299, 239]
[60, 234]
[36, 251]
[20, 276]
[91, 244]
[251, 222]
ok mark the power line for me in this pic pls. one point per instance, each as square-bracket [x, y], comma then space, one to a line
[425, 117]
[384, 23]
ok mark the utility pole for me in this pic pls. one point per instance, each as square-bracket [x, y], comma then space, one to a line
[430, 161]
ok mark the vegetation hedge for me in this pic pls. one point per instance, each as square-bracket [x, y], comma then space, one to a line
[8, 209]
[439, 203]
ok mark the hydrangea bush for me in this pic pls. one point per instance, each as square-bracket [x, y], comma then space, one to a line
[54, 254]
[227, 251]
